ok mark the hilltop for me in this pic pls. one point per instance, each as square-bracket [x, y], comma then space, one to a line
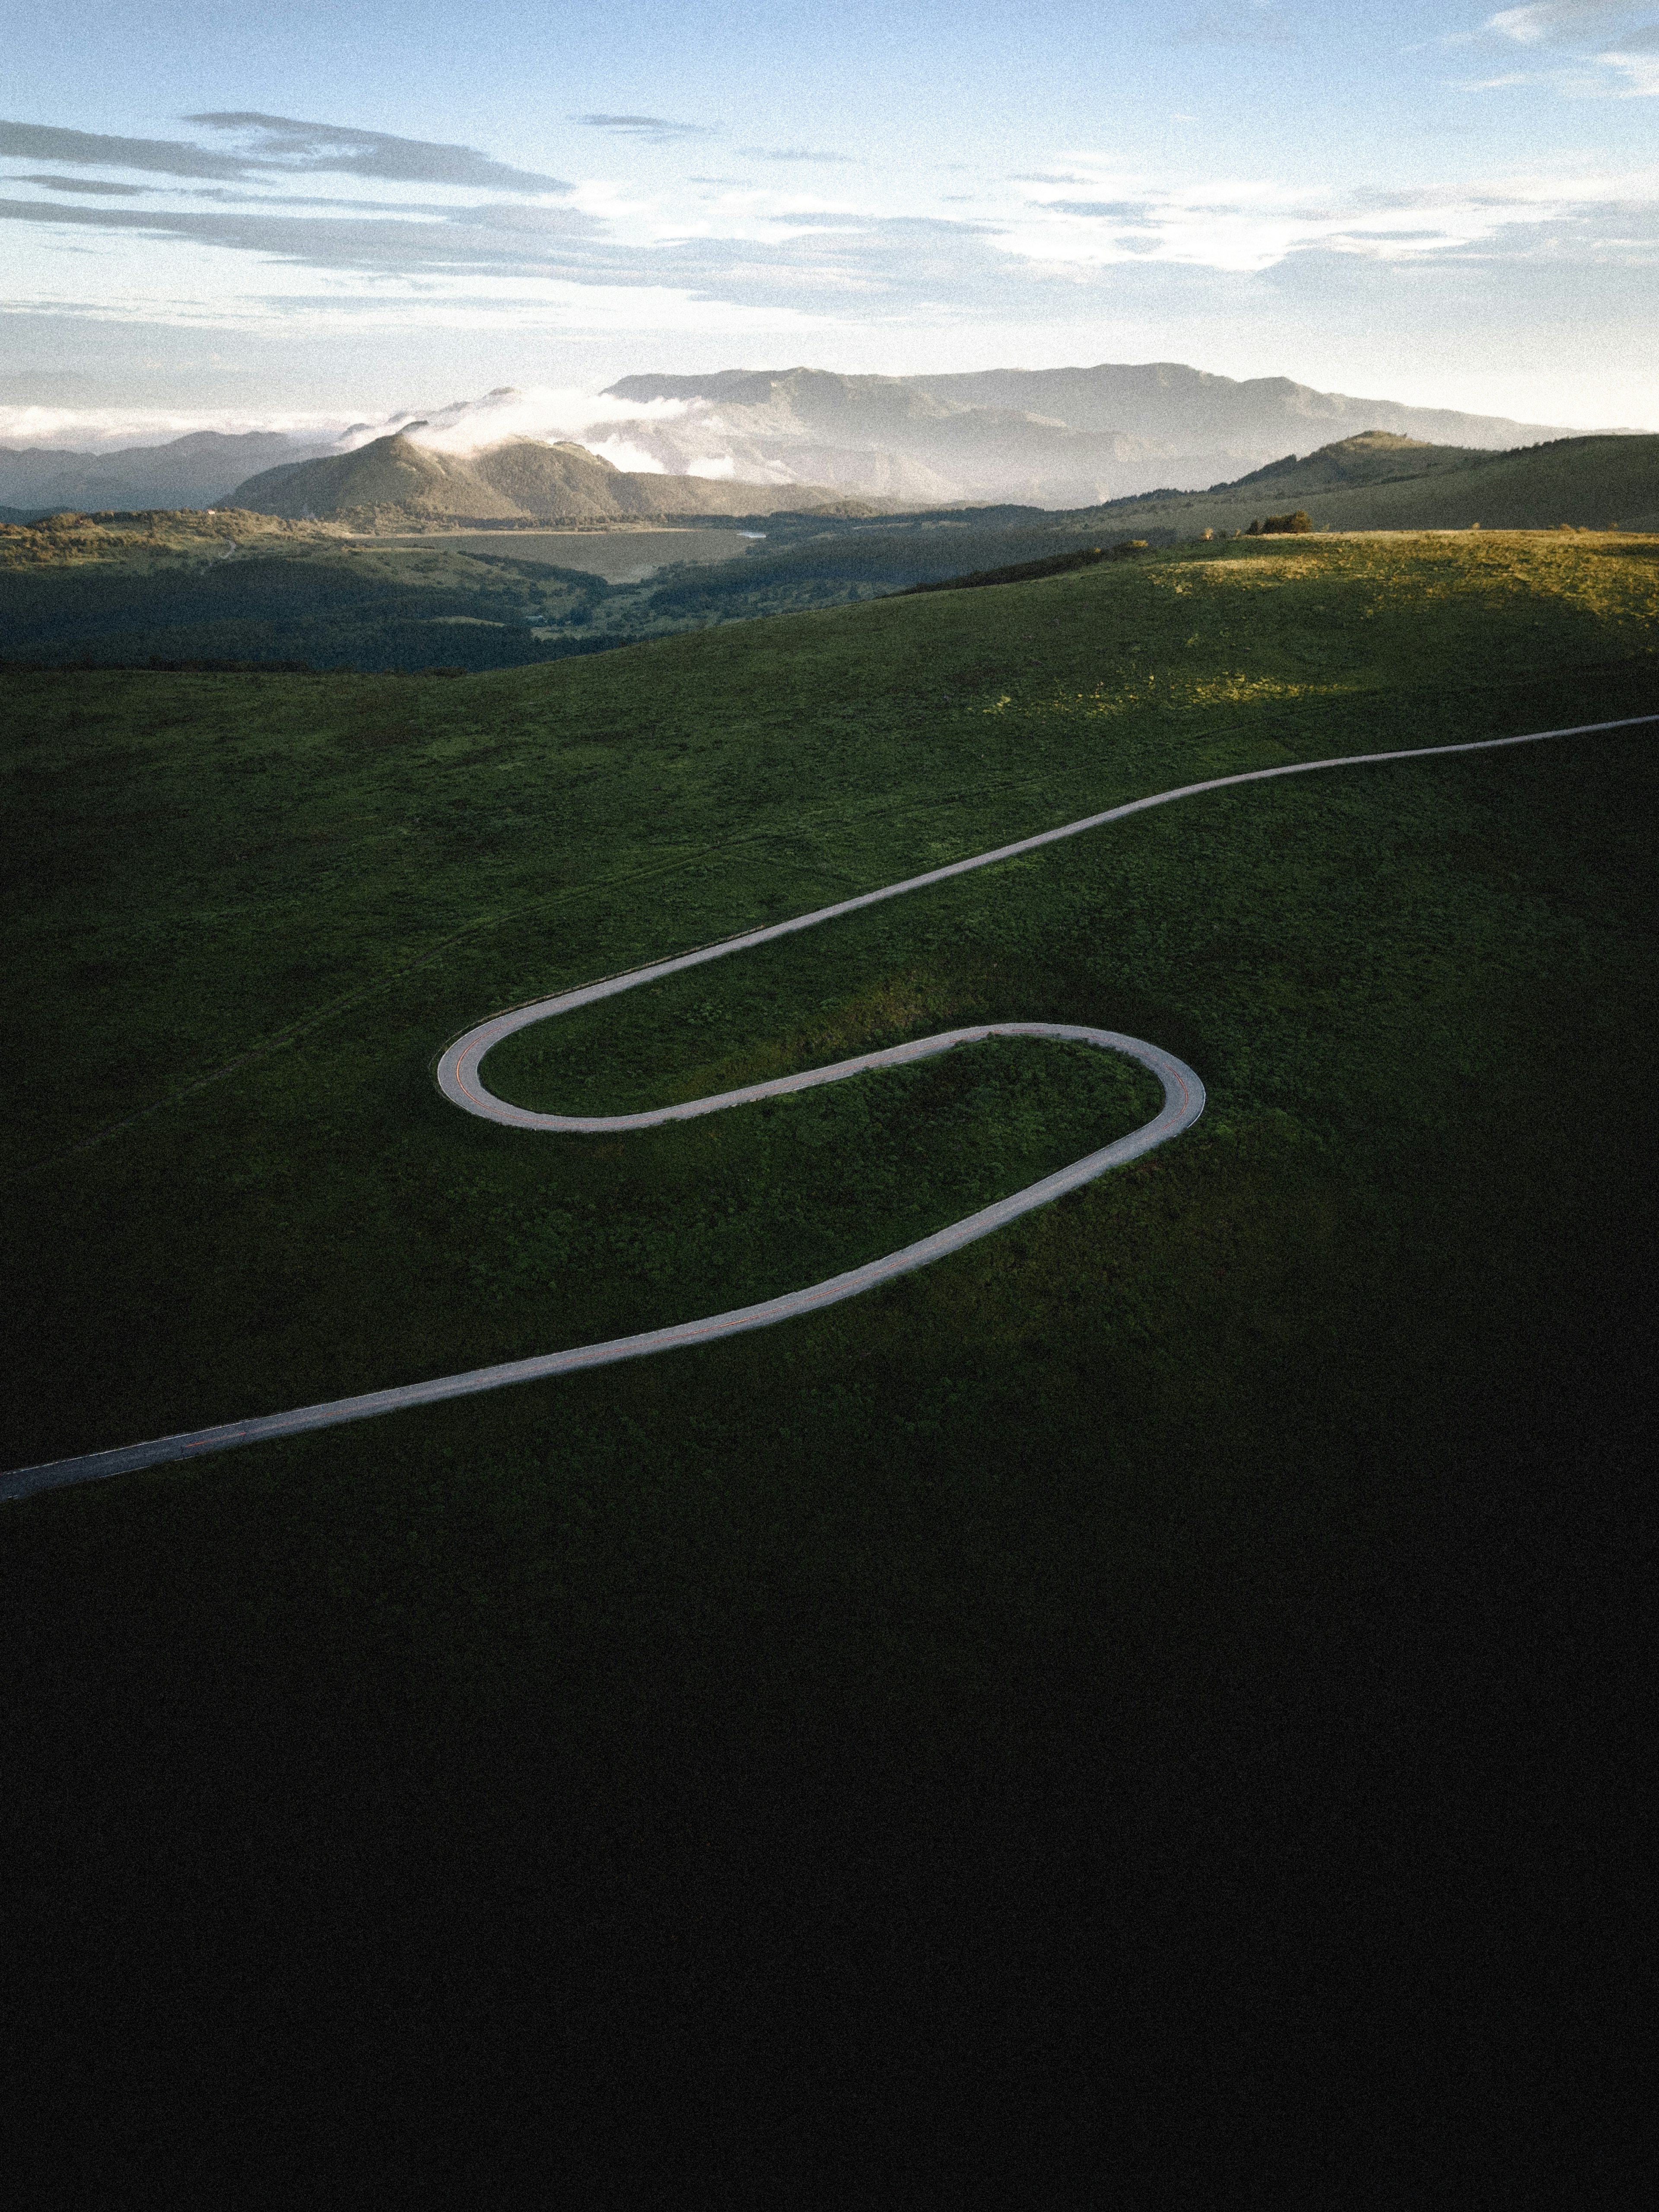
[1368, 457]
[1608, 482]
[145, 537]
[394, 481]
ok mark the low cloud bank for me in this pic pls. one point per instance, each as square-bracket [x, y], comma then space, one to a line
[108, 429]
[656, 437]
[672, 437]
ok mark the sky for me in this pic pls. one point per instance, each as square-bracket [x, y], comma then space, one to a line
[215, 213]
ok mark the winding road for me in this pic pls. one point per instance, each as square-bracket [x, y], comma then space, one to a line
[461, 1082]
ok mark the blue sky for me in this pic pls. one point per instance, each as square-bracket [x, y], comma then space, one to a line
[311, 206]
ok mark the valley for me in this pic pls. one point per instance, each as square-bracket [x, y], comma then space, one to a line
[403, 585]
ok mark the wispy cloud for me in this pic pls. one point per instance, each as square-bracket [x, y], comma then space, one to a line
[99, 185]
[1113, 210]
[762, 244]
[1640, 71]
[276, 144]
[1248, 227]
[1542, 20]
[793, 153]
[655, 129]
[283, 142]
[90, 149]
[1582, 67]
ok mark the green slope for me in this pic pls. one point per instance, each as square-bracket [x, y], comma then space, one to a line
[208, 863]
[1252, 1551]
[1594, 484]
[1369, 483]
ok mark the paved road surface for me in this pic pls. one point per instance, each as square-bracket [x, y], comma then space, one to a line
[460, 1081]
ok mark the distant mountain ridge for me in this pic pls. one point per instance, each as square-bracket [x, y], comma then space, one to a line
[521, 479]
[1058, 437]
[196, 471]
[1061, 438]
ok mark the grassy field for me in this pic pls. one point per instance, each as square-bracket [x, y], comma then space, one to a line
[1165, 1481]
[1595, 484]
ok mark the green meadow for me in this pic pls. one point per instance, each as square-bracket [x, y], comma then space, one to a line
[1166, 1434]
[258, 904]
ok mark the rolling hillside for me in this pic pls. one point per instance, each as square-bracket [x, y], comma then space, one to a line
[395, 479]
[242, 587]
[1606, 482]
[1256, 1546]
[1372, 481]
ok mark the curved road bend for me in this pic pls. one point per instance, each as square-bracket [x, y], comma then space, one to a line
[460, 1081]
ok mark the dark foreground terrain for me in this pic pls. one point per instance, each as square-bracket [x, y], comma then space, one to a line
[1155, 1707]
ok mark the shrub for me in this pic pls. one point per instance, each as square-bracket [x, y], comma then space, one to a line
[1284, 525]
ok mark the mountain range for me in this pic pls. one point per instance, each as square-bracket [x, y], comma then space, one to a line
[1056, 437]
[198, 471]
[1060, 438]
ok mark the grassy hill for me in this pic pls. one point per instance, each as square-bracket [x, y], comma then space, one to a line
[324, 605]
[520, 479]
[1374, 482]
[1592, 483]
[1372, 457]
[1133, 1556]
